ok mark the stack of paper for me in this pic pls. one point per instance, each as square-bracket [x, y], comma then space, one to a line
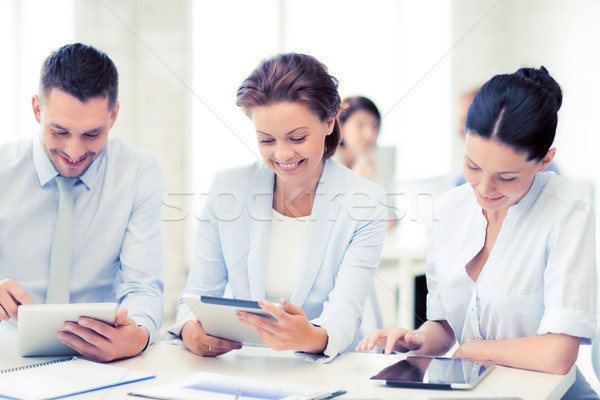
[209, 386]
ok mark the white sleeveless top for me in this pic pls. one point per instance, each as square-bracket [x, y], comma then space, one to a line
[286, 244]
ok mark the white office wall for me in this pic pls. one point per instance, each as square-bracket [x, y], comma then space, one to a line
[395, 52]
[29, 30]
[228, 40]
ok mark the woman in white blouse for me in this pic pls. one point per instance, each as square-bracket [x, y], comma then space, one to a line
[294, 227]
[511, 264]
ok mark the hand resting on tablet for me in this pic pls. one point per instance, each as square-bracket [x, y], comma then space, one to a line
[199, 342]
[288, 329]
[432, 338]
[12, 296]
[291, 331]
[103, 342]
[89, 337]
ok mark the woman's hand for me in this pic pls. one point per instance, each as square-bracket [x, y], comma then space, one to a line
[394, 339]
[199, 342]
[290, 331]
[365, 165]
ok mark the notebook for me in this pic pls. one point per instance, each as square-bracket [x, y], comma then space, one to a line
[210, 386]
[63, 377]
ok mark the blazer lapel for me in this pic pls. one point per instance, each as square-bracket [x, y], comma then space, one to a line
[258, 220]
[324, 213]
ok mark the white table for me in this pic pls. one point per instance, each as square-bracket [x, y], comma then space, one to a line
[350, 371]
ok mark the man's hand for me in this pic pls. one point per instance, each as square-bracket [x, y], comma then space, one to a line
[103, 342]
[11, 296]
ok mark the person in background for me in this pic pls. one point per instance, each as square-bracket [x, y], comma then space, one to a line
[359, 122]
[80, 214]
[464, 102]
[307, 233]
[511, 267]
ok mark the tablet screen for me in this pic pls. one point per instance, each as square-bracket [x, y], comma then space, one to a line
[435, 372]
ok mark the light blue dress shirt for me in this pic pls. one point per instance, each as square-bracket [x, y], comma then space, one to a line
[117, 240]
[339, 259]
[540, 276]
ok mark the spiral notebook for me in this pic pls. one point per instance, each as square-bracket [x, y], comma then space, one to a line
[63, 377]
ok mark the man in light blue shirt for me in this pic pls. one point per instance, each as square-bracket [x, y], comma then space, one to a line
[117, 197]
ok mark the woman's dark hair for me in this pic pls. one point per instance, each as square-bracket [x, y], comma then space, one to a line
[352, 104]
[519, 110]
[294, 77]
[82, 71]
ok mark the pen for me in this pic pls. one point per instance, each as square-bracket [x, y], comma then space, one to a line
[334, 394]
[238, 394]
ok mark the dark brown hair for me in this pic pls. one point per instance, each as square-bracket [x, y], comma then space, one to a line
[350, 105]
[518, 109]
[294, 77]
[81, 71]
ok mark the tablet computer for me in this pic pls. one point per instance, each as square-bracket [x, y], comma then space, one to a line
[435, 372]
[38, 324]
[217, 316]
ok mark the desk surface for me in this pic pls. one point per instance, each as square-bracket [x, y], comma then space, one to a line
[350, 371]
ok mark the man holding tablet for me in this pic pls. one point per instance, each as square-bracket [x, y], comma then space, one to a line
[80, 214]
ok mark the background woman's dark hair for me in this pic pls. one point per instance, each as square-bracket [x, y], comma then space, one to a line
[352, 104]
[294, 77]
[519, 109]
[82, 71]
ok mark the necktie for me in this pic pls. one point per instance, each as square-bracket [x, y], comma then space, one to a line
[60, 258]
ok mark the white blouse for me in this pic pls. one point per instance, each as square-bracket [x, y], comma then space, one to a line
[540, 276]
[286, 246]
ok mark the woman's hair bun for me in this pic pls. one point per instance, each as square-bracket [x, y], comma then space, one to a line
[542, 79]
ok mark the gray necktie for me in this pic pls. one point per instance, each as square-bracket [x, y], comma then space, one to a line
[60, 258]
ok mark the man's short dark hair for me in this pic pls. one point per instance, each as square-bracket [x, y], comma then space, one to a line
[82, 71]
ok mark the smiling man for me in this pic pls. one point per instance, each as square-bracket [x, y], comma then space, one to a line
[74, 200]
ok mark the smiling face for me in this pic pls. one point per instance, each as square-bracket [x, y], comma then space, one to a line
[73, 133]
[291, 141]
[499, 175]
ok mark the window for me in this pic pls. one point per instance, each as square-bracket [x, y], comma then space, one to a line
[369, 48]
[28, 30]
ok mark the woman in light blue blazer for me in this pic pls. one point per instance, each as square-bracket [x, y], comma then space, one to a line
[294, 228]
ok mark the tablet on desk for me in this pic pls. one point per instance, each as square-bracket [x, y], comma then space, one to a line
[217, 316]
[39, 323]
[435, 372]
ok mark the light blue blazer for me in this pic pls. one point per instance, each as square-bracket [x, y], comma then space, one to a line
[341, 255]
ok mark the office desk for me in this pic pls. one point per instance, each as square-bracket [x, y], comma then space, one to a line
[350, 371]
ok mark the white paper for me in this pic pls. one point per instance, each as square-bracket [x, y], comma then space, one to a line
[64, 378]
[209, 386]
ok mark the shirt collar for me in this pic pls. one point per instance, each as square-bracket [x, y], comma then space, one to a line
[43, 167]
[91, 176]
[531, 195]
[46, 171]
